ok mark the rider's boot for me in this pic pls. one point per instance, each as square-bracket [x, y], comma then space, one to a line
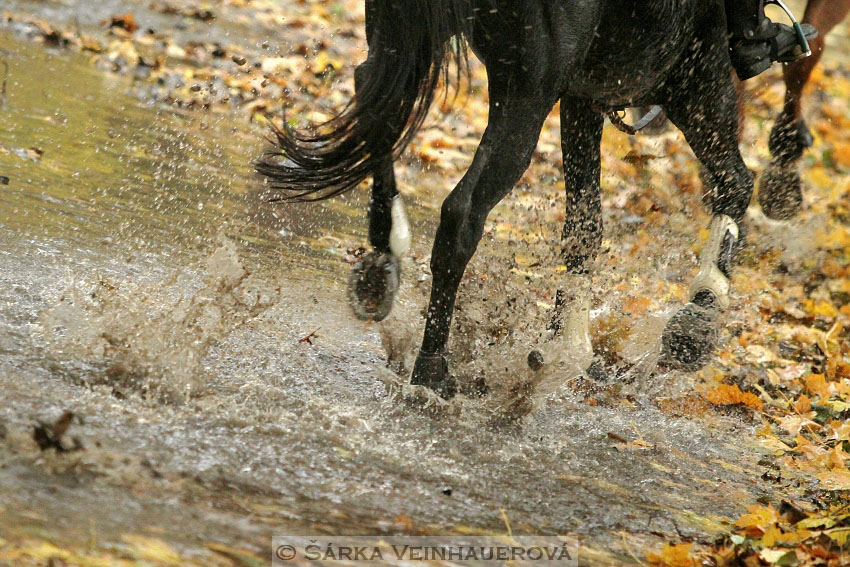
[756, 42]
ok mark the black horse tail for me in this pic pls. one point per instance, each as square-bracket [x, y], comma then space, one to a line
[411, 46]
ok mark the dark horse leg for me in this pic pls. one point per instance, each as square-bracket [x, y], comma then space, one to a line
[780, 194]
[374, 280]
[703, 106]
[581, 135]
[517, 112]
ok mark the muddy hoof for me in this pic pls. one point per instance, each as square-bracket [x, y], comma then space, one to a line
[690, 337]
[780, 192]
[372, 285]
[432, 371]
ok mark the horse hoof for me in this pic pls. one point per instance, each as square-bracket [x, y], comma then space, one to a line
[372, 285]
[690, 337]
[780, 192]
[432, 371]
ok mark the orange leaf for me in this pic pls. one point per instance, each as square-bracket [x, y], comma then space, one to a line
[726, 395]
[803, 404]
[637, 305]
[816, 384]
[841, 154]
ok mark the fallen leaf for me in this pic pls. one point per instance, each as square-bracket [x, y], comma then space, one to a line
[673, 556]
[726, 394]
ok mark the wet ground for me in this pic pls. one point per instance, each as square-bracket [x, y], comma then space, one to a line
[222, 392]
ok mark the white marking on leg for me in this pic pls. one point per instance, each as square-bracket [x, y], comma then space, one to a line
[710, 277]
[400, 231]
[576, 321]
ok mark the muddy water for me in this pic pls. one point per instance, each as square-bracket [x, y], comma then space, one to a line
[146, 286]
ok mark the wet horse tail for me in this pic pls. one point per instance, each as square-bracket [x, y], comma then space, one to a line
[411, 46]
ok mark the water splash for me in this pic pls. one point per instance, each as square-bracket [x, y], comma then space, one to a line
[152, 338]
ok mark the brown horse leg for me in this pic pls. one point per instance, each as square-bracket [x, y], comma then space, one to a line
[824, 15]
[780, 193]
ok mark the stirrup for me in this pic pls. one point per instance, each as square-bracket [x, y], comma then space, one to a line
[754, 53]
[802, 37]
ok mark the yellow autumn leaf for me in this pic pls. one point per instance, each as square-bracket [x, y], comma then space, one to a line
[820, 308]
[772, 556]
[837, 458]
[820, 178]
[775, 536]
[839, 430]
[839, 535]
[836, 238]
[825, 522]
[673, 556]
[835, 479]
[324, 61]
[837, 406]
[757, 519]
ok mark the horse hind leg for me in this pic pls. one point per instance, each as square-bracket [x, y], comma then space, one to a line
[581, 134]
[691, 335]
[374, 279]
[780, 191]
[505, 151]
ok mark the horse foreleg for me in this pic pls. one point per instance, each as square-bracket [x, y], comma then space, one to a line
[581, 134]
[780, 191]
[374, 279]
[516, 118]
[703, 106]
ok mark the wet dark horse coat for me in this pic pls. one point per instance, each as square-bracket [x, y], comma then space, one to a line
[591, 55]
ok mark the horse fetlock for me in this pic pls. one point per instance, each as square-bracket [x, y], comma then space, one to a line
[573, 314]
[716, 261]
[400, 232]
[373, 284]
[788, 139]
[432, 371]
